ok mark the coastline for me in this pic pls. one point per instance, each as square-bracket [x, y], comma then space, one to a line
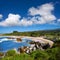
[36, 39]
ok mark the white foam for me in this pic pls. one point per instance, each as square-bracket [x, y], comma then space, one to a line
[6, 39]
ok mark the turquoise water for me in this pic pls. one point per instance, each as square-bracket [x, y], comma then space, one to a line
[8, 44]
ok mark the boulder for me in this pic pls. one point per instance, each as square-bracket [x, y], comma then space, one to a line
[1, 54]
[10, 37]
[32, 42]
[46, 46]
[22, 49]
[18, 39]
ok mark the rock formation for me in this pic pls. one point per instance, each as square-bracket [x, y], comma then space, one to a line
[18, 39]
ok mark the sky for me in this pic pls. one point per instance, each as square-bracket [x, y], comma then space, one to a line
[29, 15]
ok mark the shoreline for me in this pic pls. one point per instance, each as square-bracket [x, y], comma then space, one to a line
[36, 39]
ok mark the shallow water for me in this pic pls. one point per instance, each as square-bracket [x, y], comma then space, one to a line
[8, 44]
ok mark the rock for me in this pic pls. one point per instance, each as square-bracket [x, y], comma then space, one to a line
[25, 48]
[46, 46]
[28, 51]
[32, 42]
[21, 50]
[1, 55]
[34, 46]
[19, 39]
[10, 37]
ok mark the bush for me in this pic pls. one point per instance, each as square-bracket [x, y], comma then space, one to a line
[22, 56]
[54, 53]
[11, 53]
[39, 55]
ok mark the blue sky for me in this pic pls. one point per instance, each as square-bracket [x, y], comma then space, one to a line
[29, 15]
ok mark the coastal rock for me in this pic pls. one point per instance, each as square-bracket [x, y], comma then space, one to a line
[22, 49]
[18, 39]
[46, 46]
[1, 55]
[33, 46]
[32, 42]
[10, 38]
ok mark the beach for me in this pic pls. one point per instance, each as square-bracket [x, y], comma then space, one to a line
[36, 39]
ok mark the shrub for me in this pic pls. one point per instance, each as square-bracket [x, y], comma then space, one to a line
[39, 55]
[10, 53]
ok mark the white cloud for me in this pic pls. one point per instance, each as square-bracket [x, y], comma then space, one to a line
[1, 16]
[25, 22]
[12, 20]
[44, 9]
[44, 13]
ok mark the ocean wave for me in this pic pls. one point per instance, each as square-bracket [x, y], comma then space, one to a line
[6, 39]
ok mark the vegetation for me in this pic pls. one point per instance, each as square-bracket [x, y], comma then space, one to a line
[10, 53]
[39, 55]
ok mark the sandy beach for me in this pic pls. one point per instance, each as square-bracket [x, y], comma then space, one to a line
[37, 39]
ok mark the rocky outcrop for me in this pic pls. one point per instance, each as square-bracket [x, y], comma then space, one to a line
[10, 37]
[18, 39]
[1, 55]
[33, 46]
[22, 49]
[32, 42]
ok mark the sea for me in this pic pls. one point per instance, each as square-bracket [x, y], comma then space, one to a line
[9, 44]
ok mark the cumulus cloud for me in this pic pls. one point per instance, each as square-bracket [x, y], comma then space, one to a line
[26, 22]
[40, 15]
[44, 9]
[12, 20]
[45, 13]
